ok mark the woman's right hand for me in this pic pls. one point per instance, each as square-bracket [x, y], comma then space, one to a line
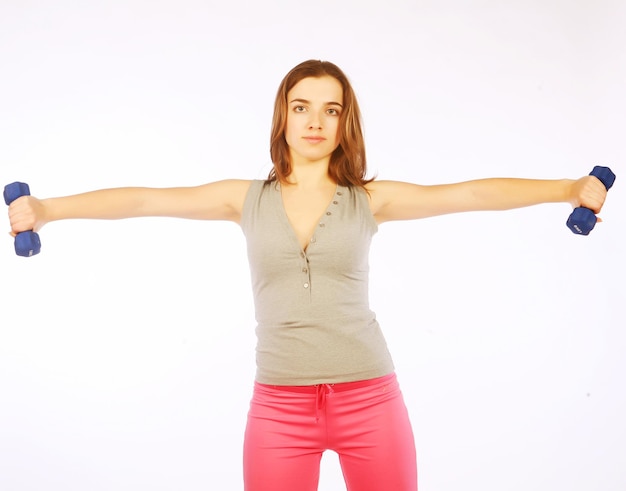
[26, 213]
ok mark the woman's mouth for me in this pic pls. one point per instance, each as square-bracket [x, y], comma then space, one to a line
[313, 139]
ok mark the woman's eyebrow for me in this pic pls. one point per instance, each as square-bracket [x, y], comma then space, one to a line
[304, 101]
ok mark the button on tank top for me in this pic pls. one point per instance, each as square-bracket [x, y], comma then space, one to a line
[314, 324]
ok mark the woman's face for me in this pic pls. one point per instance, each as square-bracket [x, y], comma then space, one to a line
[314, 108]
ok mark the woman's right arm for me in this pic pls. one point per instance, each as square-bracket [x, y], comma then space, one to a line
[220, 200]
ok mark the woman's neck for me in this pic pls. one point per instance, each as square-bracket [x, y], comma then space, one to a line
[310, 175]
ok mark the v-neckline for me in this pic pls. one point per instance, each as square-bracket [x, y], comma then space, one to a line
[319, 222]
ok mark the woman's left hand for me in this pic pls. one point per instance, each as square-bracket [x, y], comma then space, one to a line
[588, 192]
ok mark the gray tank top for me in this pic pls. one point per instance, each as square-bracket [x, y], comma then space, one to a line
[314, 324]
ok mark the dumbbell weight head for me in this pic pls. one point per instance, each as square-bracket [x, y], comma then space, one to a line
[27, 243]
[582, 220]
[15, 190]
[606, 176]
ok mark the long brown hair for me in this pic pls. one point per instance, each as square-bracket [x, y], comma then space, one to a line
[347, 165]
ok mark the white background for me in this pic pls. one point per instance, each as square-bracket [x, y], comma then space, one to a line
[127, 348]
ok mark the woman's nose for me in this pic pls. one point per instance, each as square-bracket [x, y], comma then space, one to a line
[315, 122]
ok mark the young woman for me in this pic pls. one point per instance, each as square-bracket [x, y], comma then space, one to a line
[325, 379]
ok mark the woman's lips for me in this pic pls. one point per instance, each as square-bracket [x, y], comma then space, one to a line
[314, 139]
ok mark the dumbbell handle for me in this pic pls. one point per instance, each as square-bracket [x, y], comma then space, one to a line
[26, 243]
[582, 220]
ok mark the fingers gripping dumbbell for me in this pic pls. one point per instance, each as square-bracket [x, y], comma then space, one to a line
[582, 220]
[26, 243]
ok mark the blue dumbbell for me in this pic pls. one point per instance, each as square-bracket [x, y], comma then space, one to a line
[582, 220]
[26, 243]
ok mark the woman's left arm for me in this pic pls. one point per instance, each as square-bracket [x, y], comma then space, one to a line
[395, 200]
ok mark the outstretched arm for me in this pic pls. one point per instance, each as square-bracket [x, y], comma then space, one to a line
[394, 200]
[221, 200]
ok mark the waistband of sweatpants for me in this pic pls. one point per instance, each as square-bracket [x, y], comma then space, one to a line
[340, 387]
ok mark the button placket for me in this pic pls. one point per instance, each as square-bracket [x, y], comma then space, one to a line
[328, 212]
[306, 273]
[305, 268]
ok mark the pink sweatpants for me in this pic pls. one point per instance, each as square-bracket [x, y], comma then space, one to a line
[366, 423]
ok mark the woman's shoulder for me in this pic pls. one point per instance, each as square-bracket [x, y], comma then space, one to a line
[254, 190]
[377, 191]
[234, 188]
[383, 193]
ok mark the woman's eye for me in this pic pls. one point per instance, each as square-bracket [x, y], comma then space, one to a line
[333, 112]
[299, 109]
